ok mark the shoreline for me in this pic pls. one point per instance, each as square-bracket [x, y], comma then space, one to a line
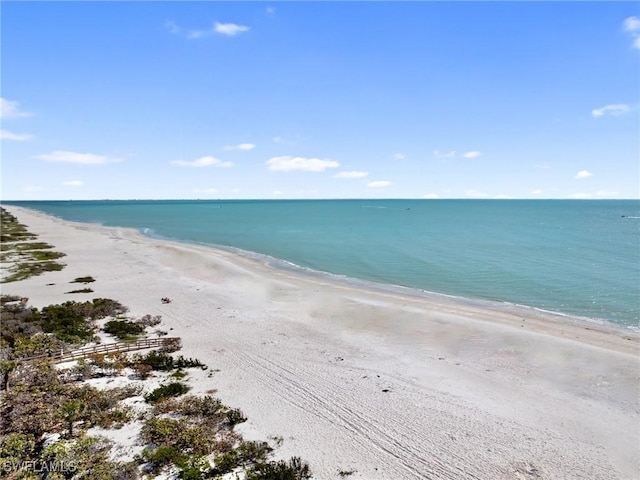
[586, 304]
[373, 286]
[385, 383]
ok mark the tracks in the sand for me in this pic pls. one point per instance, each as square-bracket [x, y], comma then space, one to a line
[406, 449]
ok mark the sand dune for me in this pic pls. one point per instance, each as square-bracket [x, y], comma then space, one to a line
[388, 384]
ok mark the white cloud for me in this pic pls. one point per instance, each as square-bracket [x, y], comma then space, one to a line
[544, 166]
[353, 174]
[278, 192]
[582, 174]
[537, 192]
[19, 137]
[73, 183]
[631, 24]
[241, 146]
[230, 29]
[270, 10]
[206, 190]
[9, 109]
[378, 184]
[195, 34]
[605, 193]
[475, 193]
[172, 27]
[286, 163]
[32, 188]
[613, 109]
[277, 139]
[440, 154]
[473, 154]
[431, 195]
[399, 156]
[74, 157]
[207, 161]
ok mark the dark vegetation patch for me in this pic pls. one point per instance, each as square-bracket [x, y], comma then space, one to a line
[163, 362]
[87, 279]
[174, 389]
[123, 329]
[28, 258]
[180, 431]
[70, 322]
[81, 290]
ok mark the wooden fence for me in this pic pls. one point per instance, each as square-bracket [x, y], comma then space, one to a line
[104, 349]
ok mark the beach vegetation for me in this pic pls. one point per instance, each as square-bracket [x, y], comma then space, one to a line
[150, 321]
[25, 257]
[163, 456]
[345, 473]
[70, 322]
[87, 279]
[46, 411]
[81, 290]
[123, 329]
[22, 271]
[162, 361]
[294, 469]
[173, 389]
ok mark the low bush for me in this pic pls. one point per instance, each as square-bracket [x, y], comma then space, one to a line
[67, 321]
[81, 290]
[87, 279]
[235, 416]
[123, 329]
[294, 469]
[163, 456]
[149, 321]
[162, 361]
[174, 389]
[156, 360]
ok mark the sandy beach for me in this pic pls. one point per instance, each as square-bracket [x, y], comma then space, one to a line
[386, 384]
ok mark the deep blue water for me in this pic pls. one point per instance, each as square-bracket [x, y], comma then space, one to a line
[575, 257]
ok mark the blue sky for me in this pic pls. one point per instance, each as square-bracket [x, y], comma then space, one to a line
[320, 100]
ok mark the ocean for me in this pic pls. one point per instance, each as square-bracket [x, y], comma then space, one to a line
[576, 257]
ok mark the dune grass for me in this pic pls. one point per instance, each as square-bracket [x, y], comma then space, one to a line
[26, 258]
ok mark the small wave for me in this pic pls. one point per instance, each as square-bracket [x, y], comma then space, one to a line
[371, 206]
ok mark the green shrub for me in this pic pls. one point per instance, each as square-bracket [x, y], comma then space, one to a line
[161, 431]
[163, 456]
[156, 360]
[42, 256]
[67, 322]
[235, 416]
[174, 389]
[123, 329]
[14, 449]
[105, 307]
[182, 362]
[81, 290]
[162, 361]
[22, 271]
[83, 280]
[294, 469]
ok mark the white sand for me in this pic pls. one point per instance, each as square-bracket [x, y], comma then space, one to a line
[475, 390]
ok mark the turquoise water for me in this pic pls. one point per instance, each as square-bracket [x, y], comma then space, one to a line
[574, 257]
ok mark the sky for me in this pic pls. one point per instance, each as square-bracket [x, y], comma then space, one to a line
[246, 100]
